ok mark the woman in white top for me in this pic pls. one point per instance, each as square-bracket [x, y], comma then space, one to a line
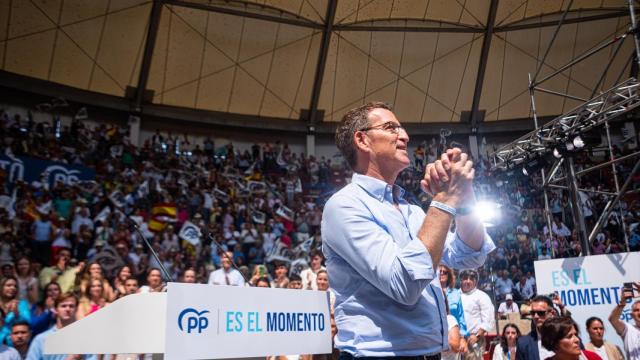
[27, 282]
[506, 348]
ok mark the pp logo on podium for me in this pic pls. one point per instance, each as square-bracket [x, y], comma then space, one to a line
[193, 319]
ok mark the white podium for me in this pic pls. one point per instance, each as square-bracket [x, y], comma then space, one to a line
[199, 321]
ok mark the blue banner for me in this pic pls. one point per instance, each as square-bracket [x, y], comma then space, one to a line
[30, 169]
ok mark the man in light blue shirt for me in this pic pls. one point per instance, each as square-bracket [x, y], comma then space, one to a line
[382, 253]
[65, 305]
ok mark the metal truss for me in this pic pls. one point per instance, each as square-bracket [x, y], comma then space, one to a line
[558, 133]
[614, 102]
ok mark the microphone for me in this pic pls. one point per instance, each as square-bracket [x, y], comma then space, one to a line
[224, 253]
[134, 224]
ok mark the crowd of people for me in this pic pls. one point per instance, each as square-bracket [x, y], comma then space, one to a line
[68, 250]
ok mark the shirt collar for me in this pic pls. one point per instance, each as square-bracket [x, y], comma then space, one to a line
[377, 188]
[471, 291]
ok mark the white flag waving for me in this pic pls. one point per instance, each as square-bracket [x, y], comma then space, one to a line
[190, 232]
[280, 252]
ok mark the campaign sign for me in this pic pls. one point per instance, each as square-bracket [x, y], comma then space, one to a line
[590, 286]
[211, 322]
[29, 169]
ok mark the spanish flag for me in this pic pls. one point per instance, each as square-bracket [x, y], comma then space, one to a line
[112, 131]
[161, 215]
[30, 211]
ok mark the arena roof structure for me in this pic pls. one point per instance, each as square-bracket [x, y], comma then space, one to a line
[296, 64]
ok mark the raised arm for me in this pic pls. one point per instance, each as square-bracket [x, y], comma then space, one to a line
[614, 318]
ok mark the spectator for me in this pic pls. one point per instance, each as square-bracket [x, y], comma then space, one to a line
[504, 285]
[295, 282]
[506, 348]
[630, 333]
[15, 310]
[189, 276]
[322, 283]
[508, 307]
[43, 313]
[530, 346]
[92, 300]
[131, 286]
[309, 275]
[61, 273]
[28, 288]
[559, 228]
[524, 288]
[9, 353]
[42, 233]
[154, 282]
[456, 341]
[478, 313]
[122, 275]
[95, 271]
[281, 280]
[226, 275]
[605, 349]
[65, 305]
[263, 282]
[560, 335]
[454, 298]
[20, 338]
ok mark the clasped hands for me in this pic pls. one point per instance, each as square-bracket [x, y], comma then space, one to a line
[450, 179]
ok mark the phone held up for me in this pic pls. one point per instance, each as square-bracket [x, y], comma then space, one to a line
[629, 288]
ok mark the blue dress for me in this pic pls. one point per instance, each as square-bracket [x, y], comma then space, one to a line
[454, 299]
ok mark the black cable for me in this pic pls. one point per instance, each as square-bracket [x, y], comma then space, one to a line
[153, 252]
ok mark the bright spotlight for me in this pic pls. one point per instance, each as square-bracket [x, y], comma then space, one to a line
[578, 142]
[487, 211]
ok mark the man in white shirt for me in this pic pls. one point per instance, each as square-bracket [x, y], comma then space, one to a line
[628, 331]
[507, 307]
[559, 228]
[309, 275]
[226, 275]
[525, 288]
[81, 218]
[478, 313]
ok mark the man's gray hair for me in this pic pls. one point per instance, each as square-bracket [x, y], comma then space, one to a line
[355, 120]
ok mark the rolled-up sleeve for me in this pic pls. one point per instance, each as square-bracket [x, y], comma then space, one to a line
[459, 255]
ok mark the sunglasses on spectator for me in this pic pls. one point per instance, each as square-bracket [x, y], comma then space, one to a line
[540, 313]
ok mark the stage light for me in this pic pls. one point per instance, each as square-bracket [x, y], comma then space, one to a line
[488, 212]
[533, 164]
[574, 144]
[578, 142]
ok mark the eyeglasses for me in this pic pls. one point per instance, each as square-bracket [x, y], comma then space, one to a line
[389, 126]
[540, 313]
